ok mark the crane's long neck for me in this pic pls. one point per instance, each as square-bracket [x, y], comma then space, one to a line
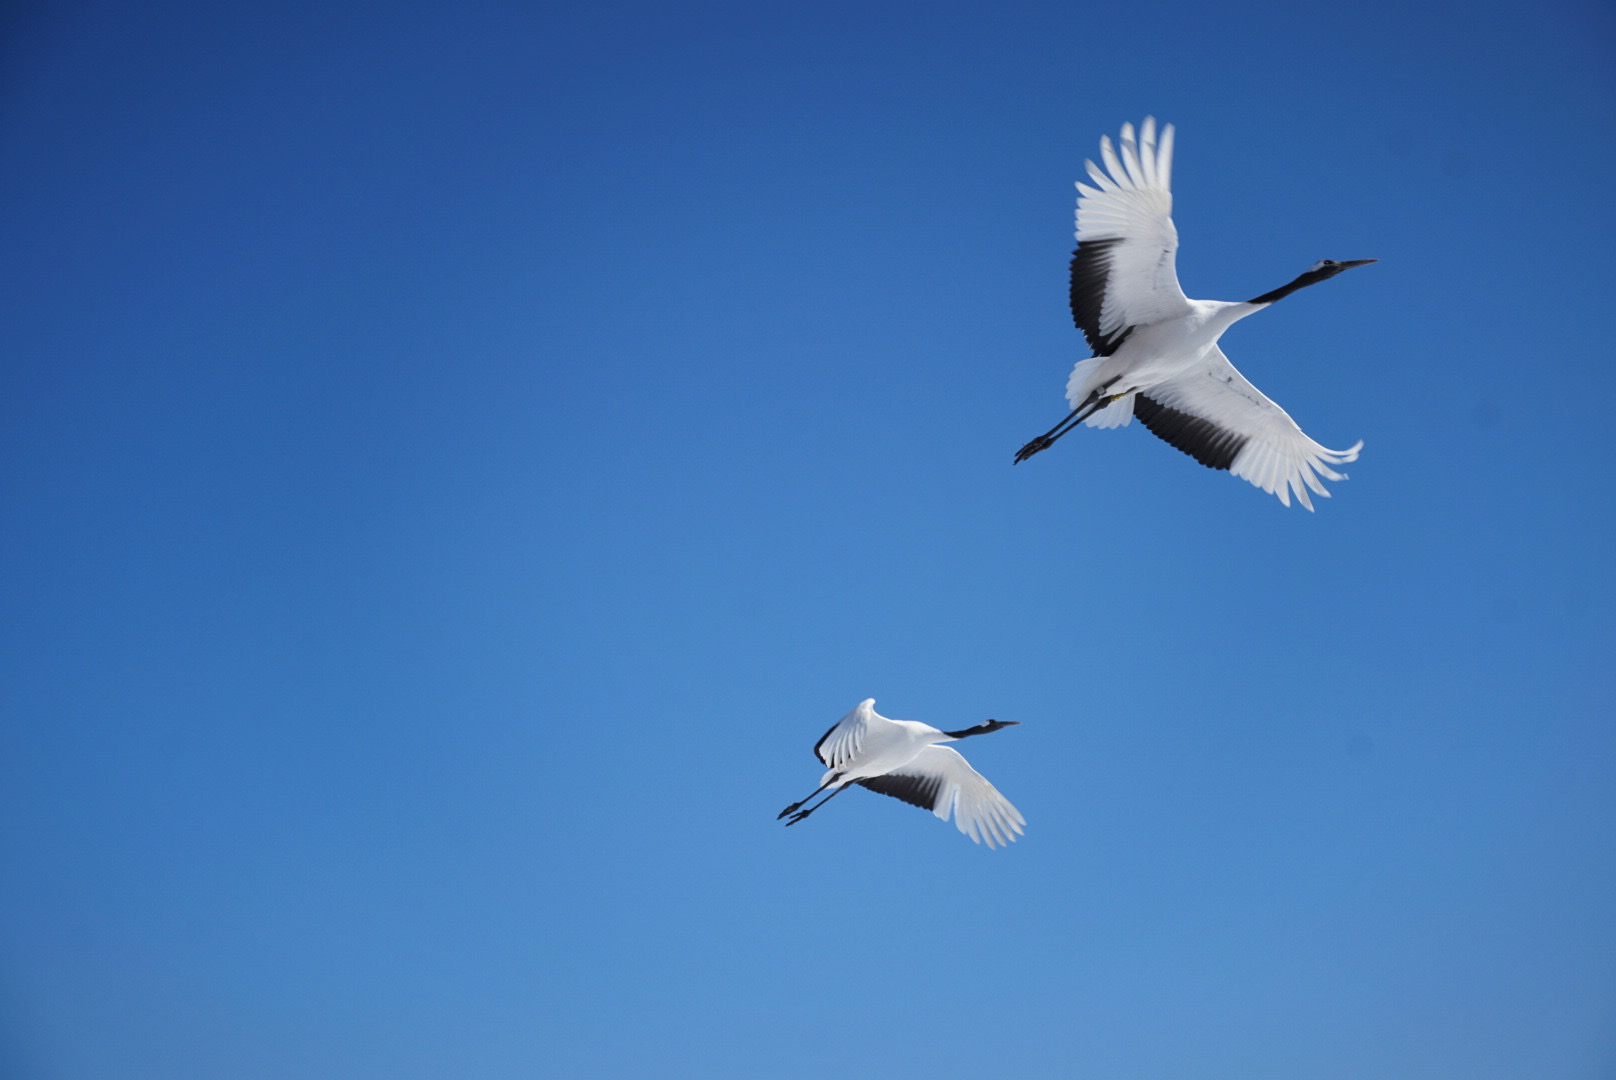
[1224, 314]
[980, 729]
[1311, 277]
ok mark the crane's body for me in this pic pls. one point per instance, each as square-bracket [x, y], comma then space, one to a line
[905, 759]
[1156, 352]
[1159, 352]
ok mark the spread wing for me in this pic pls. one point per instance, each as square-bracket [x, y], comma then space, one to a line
[940, 780]
[1125, 273]
[1214, 414]
[841, 743]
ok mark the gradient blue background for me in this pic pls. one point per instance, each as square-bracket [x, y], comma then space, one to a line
[454, 464]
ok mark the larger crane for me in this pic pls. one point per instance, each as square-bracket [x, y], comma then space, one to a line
[1156, 352]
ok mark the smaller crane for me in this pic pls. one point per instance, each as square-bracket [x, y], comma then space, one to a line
[902, 758]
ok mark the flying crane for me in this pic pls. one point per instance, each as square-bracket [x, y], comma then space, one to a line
[902, 758]
[1156, 352]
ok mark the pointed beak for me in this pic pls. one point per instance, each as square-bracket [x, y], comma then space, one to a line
[1349, 264]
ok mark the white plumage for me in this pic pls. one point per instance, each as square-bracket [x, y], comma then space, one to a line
[1156, 352]
[902, 758]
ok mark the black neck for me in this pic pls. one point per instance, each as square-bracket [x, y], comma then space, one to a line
[1312, 277]
[980, 729]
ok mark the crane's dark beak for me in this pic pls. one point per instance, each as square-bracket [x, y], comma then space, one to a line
[1350, 263]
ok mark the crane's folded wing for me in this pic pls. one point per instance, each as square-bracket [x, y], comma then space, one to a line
[841, 743]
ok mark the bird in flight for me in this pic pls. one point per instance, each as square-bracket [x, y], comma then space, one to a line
[1156, 352]
[902, 758]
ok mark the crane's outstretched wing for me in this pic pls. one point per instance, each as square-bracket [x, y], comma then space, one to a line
[841, 743]
[940, 780]
[1124, 273]
[1214, 414]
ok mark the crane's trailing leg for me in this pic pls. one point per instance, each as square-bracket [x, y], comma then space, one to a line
[800, 814]
[1091, 405]
[794, 807]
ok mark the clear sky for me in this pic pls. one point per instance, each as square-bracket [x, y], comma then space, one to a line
[455, 460]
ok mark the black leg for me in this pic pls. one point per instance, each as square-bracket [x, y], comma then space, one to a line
[800, 814]
[794, 807]
[1096, 401]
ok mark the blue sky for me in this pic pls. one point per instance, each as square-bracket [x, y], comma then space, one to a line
[454, 464]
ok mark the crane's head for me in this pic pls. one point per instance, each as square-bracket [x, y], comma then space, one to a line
[1329, 268]
[983, 728]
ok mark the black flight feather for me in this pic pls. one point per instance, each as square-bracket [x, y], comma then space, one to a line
[1091, 269]
[1201, 439]
[918, 791]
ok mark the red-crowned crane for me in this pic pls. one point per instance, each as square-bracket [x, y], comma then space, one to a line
[902, 758]
[1156, 352]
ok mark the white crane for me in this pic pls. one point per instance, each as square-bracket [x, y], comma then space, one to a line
[902, 758]
[1156, 352]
